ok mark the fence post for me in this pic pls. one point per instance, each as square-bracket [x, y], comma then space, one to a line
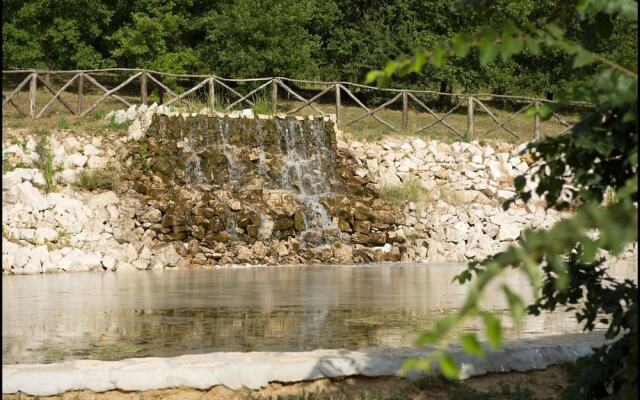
[536, 122]
[470, 116]
[32, 94]
[80, 92]
[274, 94]
[337, 105]
[143, 87]
[405, 110]
[212, 94]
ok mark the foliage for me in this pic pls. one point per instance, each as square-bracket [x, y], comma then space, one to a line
[142, 159]
[96, 179]
[45, 162]
[63, 123]
[329, 39]
[263, 104]
[409, 190]
[581, 168]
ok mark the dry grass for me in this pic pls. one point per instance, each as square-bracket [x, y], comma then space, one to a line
[409, 190]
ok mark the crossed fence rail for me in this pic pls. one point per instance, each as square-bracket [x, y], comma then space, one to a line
[212, 85]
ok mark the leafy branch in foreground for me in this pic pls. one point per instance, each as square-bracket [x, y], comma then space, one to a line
[564, 264]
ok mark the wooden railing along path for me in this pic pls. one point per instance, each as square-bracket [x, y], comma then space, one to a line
[212, 83]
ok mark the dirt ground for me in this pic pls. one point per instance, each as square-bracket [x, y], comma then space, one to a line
[543, 384]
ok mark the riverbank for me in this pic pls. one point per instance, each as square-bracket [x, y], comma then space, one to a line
[258, 370]
[543, 384]
[77, 201]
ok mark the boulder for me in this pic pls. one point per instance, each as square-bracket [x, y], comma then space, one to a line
[76, 260]
[30, 196]
[45, 234]
[90, 150]
[509, 231]
[152, 216]
[77, 160]
[244, 255]
[167, 255]
[135, 130]
[390, 178]
[96, 162]
[103, 200]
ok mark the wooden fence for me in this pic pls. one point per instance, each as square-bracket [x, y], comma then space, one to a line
[212, 85]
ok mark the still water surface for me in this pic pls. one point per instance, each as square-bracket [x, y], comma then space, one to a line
[110, 316]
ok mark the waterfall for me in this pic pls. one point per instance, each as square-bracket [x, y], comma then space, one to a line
[262, 161]
[304, 173]
[232, 164]
[193, 165]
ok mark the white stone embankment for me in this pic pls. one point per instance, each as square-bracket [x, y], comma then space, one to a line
[460, 215]
[257, 369]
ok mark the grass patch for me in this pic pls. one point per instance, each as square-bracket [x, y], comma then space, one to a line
[45, 162]
[366, 136]
[63, 123]
[217, 104]
[409, 190]
[263, 104]
[96, 179]
[8, 163]
[113, 125]
[142, 159]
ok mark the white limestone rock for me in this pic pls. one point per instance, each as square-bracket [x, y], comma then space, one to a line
[509, 232]
[31, 196]
[77, 160]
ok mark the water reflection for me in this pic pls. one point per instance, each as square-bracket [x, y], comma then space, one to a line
[111, 316]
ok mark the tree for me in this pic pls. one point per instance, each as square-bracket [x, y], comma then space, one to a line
[594, 167]
[249, 39]
[149, 40]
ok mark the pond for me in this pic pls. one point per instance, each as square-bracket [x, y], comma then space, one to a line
[111, 316]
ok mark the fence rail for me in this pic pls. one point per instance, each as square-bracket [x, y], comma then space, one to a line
[212, 85]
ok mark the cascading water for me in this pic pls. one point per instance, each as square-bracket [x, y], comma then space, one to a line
[304, 172]
[262, 159]
[232, 164]
[193, 165]
[305, 162]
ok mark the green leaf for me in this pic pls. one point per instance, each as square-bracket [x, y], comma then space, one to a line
[462, 44]
[372, 76]
[418, 62]
[516, 304]
[488, 51]
[412, 364]
[439, 57]
[494, 330]
[471, 345]
[448, 366]
[545, 111]
[510, 47]
[532, 45]
[582, 58]
[589, 249]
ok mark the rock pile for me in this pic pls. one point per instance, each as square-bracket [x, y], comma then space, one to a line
[464, 184]
[75, 231]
